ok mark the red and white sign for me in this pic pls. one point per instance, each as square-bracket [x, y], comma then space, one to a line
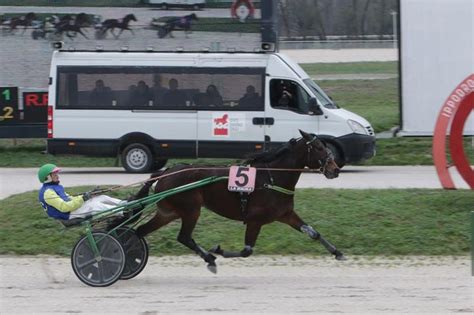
[220, 125]
[242, 179]
[453, 115]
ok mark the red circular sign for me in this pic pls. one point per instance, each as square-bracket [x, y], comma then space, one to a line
[456, 109]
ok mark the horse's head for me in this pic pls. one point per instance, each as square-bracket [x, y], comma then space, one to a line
[130, 17]
[319, 156]
[193, 16]
[83, 19]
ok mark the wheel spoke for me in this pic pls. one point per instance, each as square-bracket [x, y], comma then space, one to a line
[86, 263]
[101, 272]
[112, 260]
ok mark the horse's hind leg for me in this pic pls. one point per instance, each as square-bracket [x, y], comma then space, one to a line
[251, 235]
[80, 32]
[293, 220]
[189, 220]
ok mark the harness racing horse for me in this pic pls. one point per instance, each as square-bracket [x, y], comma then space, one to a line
[73, 24]
[182, 23]
[272, 200]
[122, 24]
[24, 20]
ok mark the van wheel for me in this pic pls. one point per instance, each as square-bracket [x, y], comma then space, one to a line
[338, 158]
[196, 7]
[159, 164]
[164, 6]
[137, 158]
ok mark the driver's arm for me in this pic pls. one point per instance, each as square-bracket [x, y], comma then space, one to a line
[52, 199]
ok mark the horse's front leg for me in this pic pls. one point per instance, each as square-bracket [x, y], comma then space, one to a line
[113, 33]
[120, 32]
[293, 220]
[251, 235]
[131, 31]
[188, 222]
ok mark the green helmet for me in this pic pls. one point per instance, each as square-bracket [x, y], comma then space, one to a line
[45, 170]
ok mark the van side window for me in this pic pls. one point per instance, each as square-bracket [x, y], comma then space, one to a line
[289, 95]
[160, 88]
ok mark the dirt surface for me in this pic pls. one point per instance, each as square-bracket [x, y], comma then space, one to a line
[259, 284]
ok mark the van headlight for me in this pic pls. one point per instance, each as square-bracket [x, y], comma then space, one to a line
[356, 127]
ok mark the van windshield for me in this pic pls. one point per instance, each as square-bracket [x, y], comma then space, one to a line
[320, 95]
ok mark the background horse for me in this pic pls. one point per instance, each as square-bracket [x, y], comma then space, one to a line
[272, 199]
[24, 20]
[182, 23]
[122, 24]
[72, 24]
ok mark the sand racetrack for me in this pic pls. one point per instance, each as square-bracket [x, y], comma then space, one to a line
[259, 284]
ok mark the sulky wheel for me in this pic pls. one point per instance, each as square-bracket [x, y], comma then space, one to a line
[136, 252]
[99, 271]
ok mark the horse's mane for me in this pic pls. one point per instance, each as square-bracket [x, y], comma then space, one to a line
[271, 155]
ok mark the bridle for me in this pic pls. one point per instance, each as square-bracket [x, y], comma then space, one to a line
[322, 162]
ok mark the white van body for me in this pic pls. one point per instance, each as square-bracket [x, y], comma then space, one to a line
[146, 129]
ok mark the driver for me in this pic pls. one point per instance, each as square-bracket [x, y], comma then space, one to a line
[60, 205]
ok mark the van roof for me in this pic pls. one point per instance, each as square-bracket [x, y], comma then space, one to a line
[190, 59]
[141, 58]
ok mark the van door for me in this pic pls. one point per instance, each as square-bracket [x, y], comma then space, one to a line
[287, 105]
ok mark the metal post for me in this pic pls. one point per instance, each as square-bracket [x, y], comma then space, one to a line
[395, 28]
[472, 243]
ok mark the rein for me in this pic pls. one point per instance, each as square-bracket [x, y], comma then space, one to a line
[301, 170]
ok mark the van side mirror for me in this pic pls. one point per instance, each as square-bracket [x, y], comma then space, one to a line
[314, 108]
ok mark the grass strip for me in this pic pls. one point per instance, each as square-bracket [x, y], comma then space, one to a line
[359, 222]
[393, 151]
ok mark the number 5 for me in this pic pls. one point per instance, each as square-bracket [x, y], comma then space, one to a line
[241, 174]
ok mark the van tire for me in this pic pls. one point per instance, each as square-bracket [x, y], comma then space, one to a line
[338, 157]
[137, 158]
[164, 6]
[159, 164]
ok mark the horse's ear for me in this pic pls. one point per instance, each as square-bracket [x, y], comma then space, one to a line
[305, 135]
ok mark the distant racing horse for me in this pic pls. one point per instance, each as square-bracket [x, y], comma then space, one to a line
[24, 20]
[72, 24]
[112, 24]
[272, 200]
[177, 23]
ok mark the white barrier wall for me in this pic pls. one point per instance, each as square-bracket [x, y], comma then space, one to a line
[437, 53]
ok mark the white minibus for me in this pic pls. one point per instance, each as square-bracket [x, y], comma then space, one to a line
[147, 107]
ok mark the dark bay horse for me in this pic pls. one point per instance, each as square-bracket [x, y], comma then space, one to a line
[122, 24]
[72, 24]
[24, 20]
[272, 199]
[177, 23]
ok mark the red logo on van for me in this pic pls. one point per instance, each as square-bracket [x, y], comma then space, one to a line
[221, 125]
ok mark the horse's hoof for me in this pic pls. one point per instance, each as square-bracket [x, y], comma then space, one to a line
[212, 268]
[341, 257]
